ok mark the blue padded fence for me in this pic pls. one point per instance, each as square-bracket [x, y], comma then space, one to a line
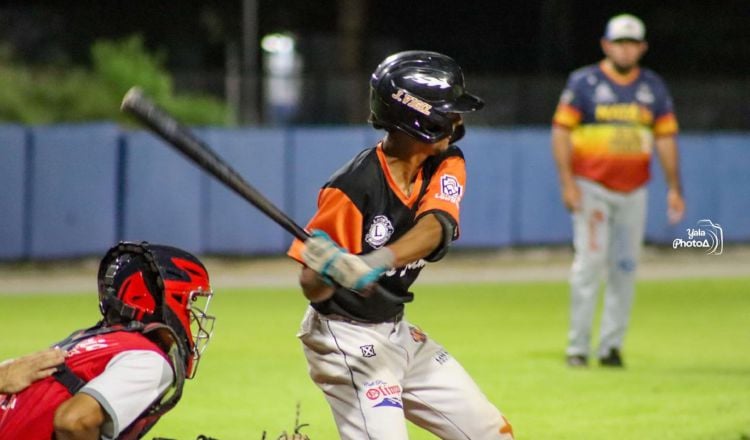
[73, 190]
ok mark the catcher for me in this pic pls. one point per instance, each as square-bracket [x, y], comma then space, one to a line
[121, 375]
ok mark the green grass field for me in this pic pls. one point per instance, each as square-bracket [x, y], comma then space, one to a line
[687, 355]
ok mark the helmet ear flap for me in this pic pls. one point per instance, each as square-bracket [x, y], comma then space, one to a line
[130, 285]
[459, 131]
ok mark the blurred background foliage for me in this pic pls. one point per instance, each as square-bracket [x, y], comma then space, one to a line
[66, 93]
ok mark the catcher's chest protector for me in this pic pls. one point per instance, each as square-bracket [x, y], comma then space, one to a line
[151, 415]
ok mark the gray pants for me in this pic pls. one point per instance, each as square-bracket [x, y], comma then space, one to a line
[607, 238]
[376, 376]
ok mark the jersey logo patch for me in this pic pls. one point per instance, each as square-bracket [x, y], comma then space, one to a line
[450, 189]
[380, 231]
[368, 351]
[644, 94]
[90, 344]
[603, 93]
[417, 335]
[567, 96]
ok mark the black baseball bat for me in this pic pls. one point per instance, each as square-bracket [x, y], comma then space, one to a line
[182, 139]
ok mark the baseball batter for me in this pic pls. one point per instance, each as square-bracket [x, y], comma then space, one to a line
[381, 218]
[610, 117]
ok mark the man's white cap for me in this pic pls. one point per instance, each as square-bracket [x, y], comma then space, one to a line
[625, 27]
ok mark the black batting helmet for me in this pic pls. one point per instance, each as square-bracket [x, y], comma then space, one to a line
[419, 93]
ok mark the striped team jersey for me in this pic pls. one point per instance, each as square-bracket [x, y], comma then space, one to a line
[363, 209]
[614, 121]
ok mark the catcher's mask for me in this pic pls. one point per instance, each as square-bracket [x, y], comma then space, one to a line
[155, 283]
[422, 94]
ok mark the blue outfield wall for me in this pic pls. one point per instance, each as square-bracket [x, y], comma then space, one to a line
[72, 184]
[233, 226]
[13, 172]
[73, 190]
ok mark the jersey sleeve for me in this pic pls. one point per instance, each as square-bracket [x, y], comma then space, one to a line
[445, 190]
[339, 217]
[569, 113]
[665, 121]
[131, 382]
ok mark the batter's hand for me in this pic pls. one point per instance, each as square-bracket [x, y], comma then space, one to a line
[571, 196]
[326, 258]
[675, 206]
[319, 253]
[17, 374]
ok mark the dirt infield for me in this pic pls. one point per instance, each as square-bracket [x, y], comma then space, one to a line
[507, 265]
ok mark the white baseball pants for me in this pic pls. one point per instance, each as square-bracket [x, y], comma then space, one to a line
[375, 376]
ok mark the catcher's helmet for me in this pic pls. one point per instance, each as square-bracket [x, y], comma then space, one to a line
[420, 93]
[158, 284]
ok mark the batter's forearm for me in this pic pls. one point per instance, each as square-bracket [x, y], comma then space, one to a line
[419, 242]
[313, 286]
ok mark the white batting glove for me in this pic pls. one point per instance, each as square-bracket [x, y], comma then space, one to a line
[319, 252]
[323, 256]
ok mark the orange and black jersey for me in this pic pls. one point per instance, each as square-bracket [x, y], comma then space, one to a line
[363, 209]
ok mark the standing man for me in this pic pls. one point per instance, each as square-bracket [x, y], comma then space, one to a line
[380, 219]
[610, 117]
[121, 375]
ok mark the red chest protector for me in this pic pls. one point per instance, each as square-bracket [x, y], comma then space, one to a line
[29, 414]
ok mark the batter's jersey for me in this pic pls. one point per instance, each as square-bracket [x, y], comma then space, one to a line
[362, 209]
[613, 122]
[124, 371]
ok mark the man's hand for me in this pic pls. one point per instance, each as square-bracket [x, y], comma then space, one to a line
[17, 374]
[319, 252]
[571, 196]
[675, 206]
[329, 260]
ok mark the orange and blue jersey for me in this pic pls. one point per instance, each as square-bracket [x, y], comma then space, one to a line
[614, 120]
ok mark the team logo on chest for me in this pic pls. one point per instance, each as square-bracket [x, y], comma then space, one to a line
[644, 94]
[603, 93]
[380, 231]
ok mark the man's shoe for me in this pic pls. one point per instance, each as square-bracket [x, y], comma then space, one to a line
[612, 359]
[577, 361]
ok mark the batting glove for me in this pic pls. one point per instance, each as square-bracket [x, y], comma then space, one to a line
[323, 256]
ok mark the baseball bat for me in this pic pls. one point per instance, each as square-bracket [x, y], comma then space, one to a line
[181, 138]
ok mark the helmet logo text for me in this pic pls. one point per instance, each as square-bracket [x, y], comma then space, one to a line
[429, 81]
[412, 102]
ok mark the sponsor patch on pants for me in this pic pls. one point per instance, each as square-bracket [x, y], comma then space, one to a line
[382, 393]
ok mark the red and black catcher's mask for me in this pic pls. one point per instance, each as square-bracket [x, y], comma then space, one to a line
[152, 283]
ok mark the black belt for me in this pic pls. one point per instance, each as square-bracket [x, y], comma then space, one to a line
[336, 317]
